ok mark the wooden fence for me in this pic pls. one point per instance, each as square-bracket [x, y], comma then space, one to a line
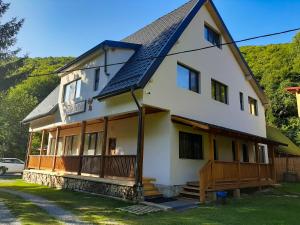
[284, 164]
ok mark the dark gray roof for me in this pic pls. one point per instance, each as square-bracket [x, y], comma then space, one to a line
[156, 39]
[106, 43]
[47, 107]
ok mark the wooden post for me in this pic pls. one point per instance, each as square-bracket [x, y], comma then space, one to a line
[104, 147]
[238, 156]
[28, 149]
[258, 164]
[140, 148]
[273, 163]
[212, 156]
[41, 149]
[81, 146]
[56, 147]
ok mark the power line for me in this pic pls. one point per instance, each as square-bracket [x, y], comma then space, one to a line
[171, 54]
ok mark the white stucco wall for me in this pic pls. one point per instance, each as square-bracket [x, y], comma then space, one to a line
[215, 63]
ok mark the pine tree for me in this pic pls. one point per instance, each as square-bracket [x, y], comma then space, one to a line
[8, 32]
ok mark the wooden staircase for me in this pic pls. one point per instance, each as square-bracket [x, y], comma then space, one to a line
[150, 191]
[191, 190]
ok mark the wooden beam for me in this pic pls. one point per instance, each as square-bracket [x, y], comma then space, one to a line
[238, 156]
[104, 147]
[140, 148]
[29, 145]
[81, 146]
[258, 164]
[56, 147]
[41, 149]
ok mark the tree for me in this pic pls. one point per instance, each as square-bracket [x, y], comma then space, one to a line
[8, 32]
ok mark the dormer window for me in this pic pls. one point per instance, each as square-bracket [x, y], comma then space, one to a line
[72, 91]
[212, 36]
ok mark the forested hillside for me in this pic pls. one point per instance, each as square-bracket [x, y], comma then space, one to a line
[19, 94]
[277, 67]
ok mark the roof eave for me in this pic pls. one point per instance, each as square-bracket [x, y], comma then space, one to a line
[51, 112]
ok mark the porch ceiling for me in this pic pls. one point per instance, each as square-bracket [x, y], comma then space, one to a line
[211, 128]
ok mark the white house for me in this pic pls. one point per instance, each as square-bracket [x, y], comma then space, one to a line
[139, 117]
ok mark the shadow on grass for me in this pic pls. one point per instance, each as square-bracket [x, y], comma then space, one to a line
[25, 211]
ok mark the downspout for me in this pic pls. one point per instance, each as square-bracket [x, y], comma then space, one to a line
[105, 60]
[139, 156]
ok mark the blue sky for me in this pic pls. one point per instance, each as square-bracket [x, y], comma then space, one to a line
[71, 27]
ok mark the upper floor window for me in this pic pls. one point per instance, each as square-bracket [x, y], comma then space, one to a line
[190, 146]
[219, 91]
[97, 79]
[242, 101]
[212, 36]
[188, 78]
[253, 106]
[72, 91]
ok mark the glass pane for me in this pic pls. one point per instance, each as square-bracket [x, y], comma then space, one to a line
[52, 146]
[75, 145]
[60, 146]
[99, 143]
[68, 145]
[194, 82]
[78, 88]
[182, 77]
[86, 144]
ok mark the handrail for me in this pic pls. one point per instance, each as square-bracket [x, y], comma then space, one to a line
[204, 180]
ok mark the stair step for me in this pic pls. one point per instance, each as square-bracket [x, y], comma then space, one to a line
[191, 188]
[152, 193]
[193, 183]
[190, 193]
[148, 179]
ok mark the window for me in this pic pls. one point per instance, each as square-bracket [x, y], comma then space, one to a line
[188, 79]
[216, 152]
[52, 146]
[90, 144]
[245, 153]
[112, 146]
[212, 36]
[253, 106]
[233, 148]
[190, 146]
[72, 91]
[97, 79]
[242, 101]
[71, 145]
[262, 155]
[59, 146]
[219, 91]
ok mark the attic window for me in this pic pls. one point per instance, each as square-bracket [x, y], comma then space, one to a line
[212, 36]
[72, 91]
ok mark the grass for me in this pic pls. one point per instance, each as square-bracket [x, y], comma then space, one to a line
[25, 211]
[278, 207]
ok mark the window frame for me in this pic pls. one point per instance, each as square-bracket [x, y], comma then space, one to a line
[216, 91]
[88, 138]
[96, 79]
[250, 101]
[193, 152]
[75, 92]
[208, 28]
[242, 103]
[72, 144]
[191, 72]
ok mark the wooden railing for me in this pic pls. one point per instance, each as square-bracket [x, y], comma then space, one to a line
[220, 175]
[115, 166]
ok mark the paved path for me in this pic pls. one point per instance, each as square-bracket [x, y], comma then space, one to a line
[6, 218]
[52, 209]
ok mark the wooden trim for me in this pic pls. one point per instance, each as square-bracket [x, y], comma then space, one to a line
[140, 148]
[81, 146]
[41, 149]
[56, 147]
[29, 149]
[104, 147]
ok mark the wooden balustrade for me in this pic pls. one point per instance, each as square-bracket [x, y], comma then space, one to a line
[115, 165]
[220, 175]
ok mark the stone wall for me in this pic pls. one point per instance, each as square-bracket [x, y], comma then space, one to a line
[65, 182]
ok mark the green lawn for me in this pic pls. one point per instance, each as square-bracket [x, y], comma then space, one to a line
[280, 207]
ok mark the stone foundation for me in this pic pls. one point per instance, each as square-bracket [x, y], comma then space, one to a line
[169, 191]
[87, 184]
